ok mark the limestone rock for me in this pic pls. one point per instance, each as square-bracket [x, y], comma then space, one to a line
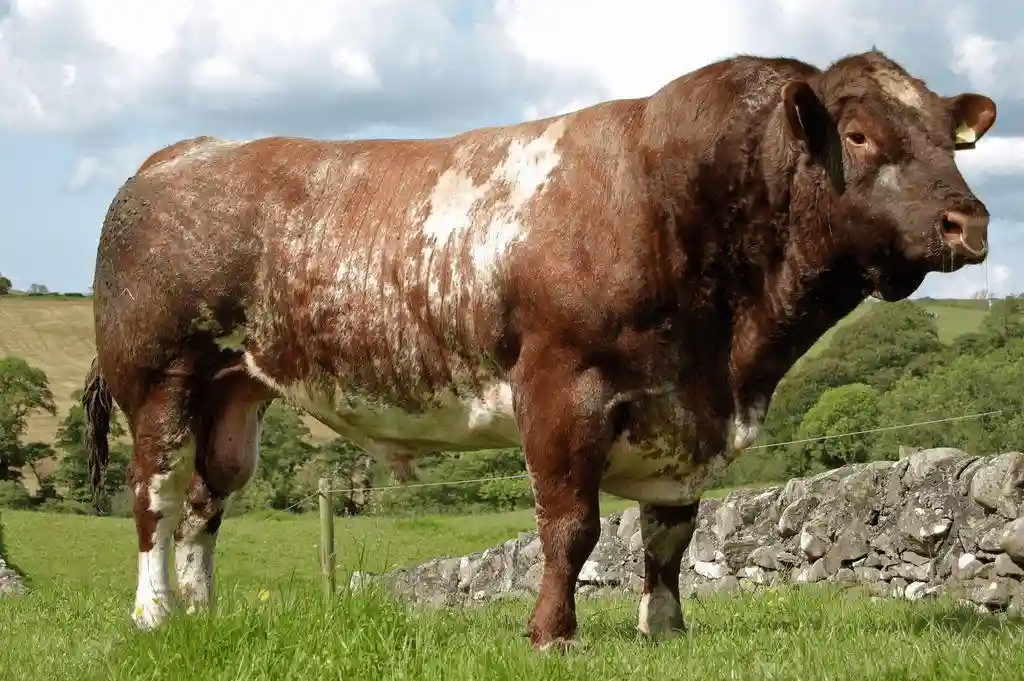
[814, 541]
[1005, 567]
[1011, 540]
[710, 570]
[921, 464]
[922, 528]
[867, 574]
[629, 523]
[991, 593]
[792, 518]
[998, 485]
[967, 567]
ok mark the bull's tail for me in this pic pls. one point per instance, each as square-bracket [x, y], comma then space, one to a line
[97, 405]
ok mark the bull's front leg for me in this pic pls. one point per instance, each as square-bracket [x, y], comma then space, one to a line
[666, 532]
[566, 436]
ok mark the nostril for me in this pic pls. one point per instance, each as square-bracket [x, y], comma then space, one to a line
[953, 226]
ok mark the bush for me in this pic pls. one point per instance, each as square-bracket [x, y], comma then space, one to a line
[14, 495]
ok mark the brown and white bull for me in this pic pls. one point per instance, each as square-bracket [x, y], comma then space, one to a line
[618, 289]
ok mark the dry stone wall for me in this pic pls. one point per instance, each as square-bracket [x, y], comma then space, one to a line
[11, 582]
[938, 520]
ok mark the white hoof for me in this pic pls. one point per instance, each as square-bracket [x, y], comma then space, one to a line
[660, 616]
[150, 613]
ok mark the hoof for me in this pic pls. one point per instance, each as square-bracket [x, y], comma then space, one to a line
[150, 614]
[558, 645]
[661, 635]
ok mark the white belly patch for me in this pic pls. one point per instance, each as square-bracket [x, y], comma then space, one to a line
[451, 423]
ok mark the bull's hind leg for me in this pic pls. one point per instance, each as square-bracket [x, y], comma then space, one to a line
[666, 532]
[163, 463]
[227, 454]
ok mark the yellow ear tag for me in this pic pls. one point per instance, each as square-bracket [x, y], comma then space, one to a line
[965, 134]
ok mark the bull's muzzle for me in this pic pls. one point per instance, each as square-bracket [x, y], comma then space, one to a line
[966, 234]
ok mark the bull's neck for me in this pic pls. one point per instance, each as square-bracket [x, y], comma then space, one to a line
[811, 285]
[756, 251]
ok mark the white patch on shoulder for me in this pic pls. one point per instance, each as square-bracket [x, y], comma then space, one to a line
[154, 594]
[457, 206]
[898, 87]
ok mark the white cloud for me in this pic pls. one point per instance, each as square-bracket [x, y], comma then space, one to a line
[997, 278]
[994, 156]
[633, 48]
[991, 65]
[113, 166]
[95, 65]
[104, 70]
[84, 66]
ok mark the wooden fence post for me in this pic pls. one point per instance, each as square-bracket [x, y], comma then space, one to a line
[326, 536]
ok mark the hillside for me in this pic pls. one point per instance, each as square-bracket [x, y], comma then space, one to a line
[55, 334]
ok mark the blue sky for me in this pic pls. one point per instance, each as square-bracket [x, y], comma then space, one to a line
[89, 88]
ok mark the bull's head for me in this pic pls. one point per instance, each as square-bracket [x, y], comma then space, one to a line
[886, 143]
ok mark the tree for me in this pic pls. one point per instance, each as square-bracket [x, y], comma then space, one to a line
[884, 343]
[1005, 320]
[349, 468]
[847, 409]
[879, 347]
[73, 473]
[24, 390]
[38, 290]
[5, 285]
[970, 384]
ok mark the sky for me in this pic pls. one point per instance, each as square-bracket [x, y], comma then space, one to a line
[89, 88]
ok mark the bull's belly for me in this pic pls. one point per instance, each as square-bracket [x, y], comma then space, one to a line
[646, 472]
[448, 422]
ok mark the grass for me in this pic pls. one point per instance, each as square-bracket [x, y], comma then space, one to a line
[74, 624]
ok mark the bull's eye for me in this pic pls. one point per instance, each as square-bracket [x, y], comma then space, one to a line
[857, 138]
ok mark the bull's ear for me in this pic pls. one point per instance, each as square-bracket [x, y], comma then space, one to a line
[973, 115]
[810, 123]
[806, 116]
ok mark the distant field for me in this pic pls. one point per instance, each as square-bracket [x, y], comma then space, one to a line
[953, 317]
[56, 335]
[272, 622]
